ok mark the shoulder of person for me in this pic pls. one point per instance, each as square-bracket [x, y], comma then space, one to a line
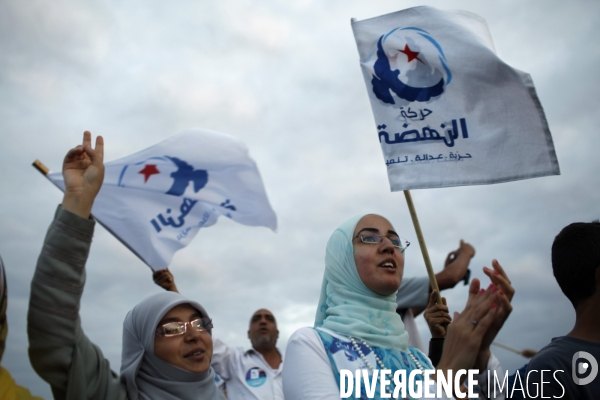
[305, 334]
[558, 352]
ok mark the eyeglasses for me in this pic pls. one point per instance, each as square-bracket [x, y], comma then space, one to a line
[179, 328]
[374, 238]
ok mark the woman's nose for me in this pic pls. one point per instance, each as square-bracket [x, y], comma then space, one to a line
[386, 245]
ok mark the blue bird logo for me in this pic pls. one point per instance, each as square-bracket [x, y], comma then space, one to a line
[409, 65]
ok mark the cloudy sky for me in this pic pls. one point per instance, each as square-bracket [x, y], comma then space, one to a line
[284, 78]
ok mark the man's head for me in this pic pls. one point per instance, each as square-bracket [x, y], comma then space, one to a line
[576, 260]
[263, 331]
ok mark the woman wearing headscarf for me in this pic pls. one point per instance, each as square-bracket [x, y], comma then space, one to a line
[356, 325]
[167, 346]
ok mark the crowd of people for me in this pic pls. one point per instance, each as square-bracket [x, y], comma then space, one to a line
[169, 352]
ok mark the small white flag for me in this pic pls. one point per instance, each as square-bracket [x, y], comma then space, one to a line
[155, 201]
[448, 111]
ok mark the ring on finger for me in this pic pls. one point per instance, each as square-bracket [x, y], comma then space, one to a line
[474, 322]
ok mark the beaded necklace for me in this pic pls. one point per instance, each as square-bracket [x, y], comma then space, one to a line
[378, 360]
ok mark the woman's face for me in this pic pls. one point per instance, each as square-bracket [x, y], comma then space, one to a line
[192, 350]
[379, 266]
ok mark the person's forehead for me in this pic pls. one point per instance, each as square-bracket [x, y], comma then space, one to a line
[373, 221]
[181, 311]
[262, 312]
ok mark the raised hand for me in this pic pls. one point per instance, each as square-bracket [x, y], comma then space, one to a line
[500, 279]
[164, 278]
[437, 316]
[463, 248]
[502, 286]
[455, 266]
[466, 332]
[83, 172]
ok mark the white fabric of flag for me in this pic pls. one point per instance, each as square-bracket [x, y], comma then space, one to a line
[156, 200]
[448, 111]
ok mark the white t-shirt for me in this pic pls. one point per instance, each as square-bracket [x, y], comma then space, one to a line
[413, 292]
[410, 325]
[247, 373]
[308, 373]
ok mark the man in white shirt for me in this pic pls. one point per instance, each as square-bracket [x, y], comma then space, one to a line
[255, 373]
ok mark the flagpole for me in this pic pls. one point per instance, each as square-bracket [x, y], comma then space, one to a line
[37, 164]
[507, 347]
[415, 220]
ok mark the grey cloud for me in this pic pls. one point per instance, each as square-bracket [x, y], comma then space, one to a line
[285, 79]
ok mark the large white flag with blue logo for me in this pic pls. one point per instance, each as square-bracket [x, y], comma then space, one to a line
[155, 201]
[448, 111]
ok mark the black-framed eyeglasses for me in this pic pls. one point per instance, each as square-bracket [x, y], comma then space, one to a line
[374, 238]
[179, 328]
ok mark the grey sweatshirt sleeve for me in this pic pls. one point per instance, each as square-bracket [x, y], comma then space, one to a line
[413, 292]
[59, 351]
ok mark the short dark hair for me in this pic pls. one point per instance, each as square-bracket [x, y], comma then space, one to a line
[575, 257]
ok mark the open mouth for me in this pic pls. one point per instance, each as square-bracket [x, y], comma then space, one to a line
[388, 264]
[195, 354]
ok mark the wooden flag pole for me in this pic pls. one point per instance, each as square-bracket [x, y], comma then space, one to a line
[37, 164]
[415, 220]
[507, 347]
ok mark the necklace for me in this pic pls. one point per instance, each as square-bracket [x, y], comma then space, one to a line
[378, 360]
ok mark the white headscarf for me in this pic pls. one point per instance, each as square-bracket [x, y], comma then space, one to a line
[347, 306]
[146, 376]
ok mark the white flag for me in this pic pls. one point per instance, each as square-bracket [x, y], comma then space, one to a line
[155, 201]
[448, 111]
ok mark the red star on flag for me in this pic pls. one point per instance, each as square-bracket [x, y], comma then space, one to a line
[410, 54]
[149, 169]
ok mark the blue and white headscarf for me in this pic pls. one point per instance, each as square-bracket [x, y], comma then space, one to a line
[347, 306]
